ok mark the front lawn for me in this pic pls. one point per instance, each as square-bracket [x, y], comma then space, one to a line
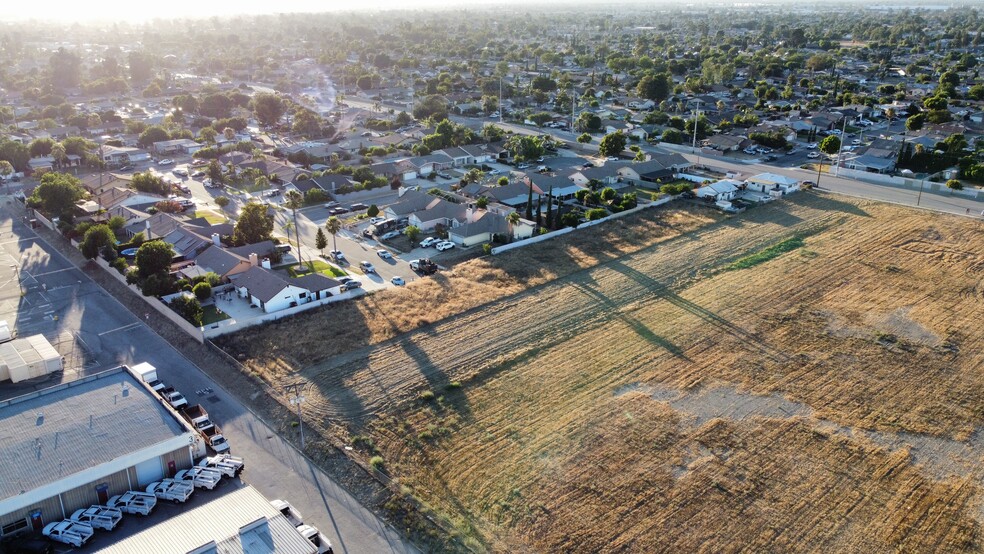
[210, 216]
[317, 266]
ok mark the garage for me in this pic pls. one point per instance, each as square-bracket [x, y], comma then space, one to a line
[149, 471]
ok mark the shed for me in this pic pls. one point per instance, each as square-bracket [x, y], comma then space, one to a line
[28, 358]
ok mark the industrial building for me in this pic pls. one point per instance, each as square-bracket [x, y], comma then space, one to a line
[79, 443]
[236, 519]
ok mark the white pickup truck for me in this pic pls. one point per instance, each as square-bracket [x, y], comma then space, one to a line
[99, 517]
[134, 502]
[289, 511]
[173, 397]
[68, 532]
[203, 478]
[169, 489]
[227, 464]
[317, 539]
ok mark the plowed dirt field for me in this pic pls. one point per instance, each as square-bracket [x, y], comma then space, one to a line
[805, 377]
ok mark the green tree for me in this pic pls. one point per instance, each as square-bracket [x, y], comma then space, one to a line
[954, 184]
[373, 210]
[268, 108]
[321, 241]
[915, 122]
[189, 308]
[655, 87]
[503, 181]
[612, 144]
[584, 138]
[150, 182]
[152, 134]
[57, 195]
[95, 239]
[292, 201]
[202, 291]
[587, 122]
[333, 226]
[208, 135]
[433, 106]
[14, 152]
[222, 201]
[525, 147]
[482, 203]
[154, 258]
[41, 147]
[254, 225]
[412, 232]
[830, 145]
[6, 168]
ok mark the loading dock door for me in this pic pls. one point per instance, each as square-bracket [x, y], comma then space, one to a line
[149, 471]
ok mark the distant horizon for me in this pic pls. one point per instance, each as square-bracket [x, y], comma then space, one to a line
[109, 11]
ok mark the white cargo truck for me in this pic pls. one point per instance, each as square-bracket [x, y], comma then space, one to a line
[148, 374]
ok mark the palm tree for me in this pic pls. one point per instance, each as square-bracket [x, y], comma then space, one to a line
[333, 226]
[512, 219]
[294, 200]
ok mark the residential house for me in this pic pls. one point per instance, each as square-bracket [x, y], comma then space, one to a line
[117, 156]
[606, 175]
[513, 195]
[660, 166]
[444, 213]
[559, 187]
[723, 190]
[772, 183]
[480, 226]
[403, 169]
[728, 143]
[271, 292]
[411, 201]
[177, 146]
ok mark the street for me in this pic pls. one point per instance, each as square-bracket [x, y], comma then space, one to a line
[46, 293]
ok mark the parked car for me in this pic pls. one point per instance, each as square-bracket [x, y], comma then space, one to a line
[384, 254]
[375, 220]
[444, 175]
[349, 283]
[225, 463]
[813, 155]
[180, 171]
[174, 398]
[68, 532]
[813, 145]
[367, 267]
[166, 161]
[332, 204]
[358, 206]
[428, 242]
[398, 281]
[390, 235]
[338, 210]
[271, 193]
[444, 245]
[337, 256]
[198, 174]
[200, 477]
[320, 541]
[99, 517]
[494, 172]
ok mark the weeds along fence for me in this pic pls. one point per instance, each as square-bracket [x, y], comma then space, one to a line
[566, 230]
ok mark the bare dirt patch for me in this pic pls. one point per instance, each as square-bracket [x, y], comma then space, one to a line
[829, 398]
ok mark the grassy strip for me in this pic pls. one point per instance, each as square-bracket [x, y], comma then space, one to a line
[212, 315]
[765, 255]
[317, 266]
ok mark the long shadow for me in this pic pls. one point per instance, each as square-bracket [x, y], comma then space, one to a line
[436, 377]
[827, 201]
[662, 291]
[639, 327]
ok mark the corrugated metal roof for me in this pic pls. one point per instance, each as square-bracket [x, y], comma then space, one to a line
[241, 521]
[56, 432]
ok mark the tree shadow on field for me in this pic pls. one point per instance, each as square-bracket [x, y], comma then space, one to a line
[436, 378]
[826, 201]
[662, 291]
[639, 327]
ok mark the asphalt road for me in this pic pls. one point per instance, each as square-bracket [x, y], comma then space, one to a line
[43, 292]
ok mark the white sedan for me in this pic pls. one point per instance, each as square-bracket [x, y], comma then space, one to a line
[384, 254]
[398, 281]
[165, 161]
[813, 155]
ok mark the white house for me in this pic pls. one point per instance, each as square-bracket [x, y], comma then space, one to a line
[769, 182]
[725, 189]
[272, 293]
[481, 225]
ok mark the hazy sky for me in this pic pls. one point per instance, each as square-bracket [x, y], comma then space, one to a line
[141, 10]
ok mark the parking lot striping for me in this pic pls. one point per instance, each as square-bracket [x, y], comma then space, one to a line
[123, 328]
[36, 275]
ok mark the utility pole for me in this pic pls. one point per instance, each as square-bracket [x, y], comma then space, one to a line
[573, 105]
[500, 101]
[843, 137]
[696, 118]
[295, 391]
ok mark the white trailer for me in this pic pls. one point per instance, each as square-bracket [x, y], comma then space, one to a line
[99, 517]
[199, 477]
[68, 532]
[169, 489]
[134, 502]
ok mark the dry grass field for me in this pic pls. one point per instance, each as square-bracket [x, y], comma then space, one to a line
[807, 377]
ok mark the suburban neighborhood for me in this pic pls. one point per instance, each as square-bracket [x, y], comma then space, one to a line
[416, 261]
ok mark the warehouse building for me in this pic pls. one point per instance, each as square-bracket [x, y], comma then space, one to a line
[79, 443]
[235, 519]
